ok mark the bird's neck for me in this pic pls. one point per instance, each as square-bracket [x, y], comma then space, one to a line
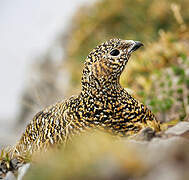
[100, 87]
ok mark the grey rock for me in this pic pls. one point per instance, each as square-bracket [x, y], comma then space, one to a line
[178, 129]
[10, 176]
[22, 171]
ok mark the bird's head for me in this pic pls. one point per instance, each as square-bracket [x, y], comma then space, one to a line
[106, 62]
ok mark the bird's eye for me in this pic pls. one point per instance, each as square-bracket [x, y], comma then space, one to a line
[115, 52]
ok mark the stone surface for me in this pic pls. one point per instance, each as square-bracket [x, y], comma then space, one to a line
[10, 176]
[178, 129]
[22, 171]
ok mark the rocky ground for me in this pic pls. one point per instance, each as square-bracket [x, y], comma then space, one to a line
[96, 155]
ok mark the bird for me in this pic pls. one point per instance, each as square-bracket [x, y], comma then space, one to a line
[101, 104]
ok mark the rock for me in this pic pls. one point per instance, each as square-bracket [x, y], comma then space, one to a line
[181, 129]
[10, 176]
[22, 171]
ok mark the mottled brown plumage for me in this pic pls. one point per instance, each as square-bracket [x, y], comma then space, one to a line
[102, 103]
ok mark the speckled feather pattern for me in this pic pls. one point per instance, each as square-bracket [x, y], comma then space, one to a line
[102, 103]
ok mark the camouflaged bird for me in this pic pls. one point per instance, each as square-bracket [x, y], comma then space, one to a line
[102, 103]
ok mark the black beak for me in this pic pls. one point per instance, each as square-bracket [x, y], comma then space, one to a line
[134, 46]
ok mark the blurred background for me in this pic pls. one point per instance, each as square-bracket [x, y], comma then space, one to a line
[30, 51]
[43, 45]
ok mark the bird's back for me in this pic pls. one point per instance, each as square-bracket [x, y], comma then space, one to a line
[48, 127]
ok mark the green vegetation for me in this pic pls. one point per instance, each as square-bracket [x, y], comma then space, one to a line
[126, 19]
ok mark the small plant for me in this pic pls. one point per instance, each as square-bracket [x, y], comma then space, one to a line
[169, 96]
